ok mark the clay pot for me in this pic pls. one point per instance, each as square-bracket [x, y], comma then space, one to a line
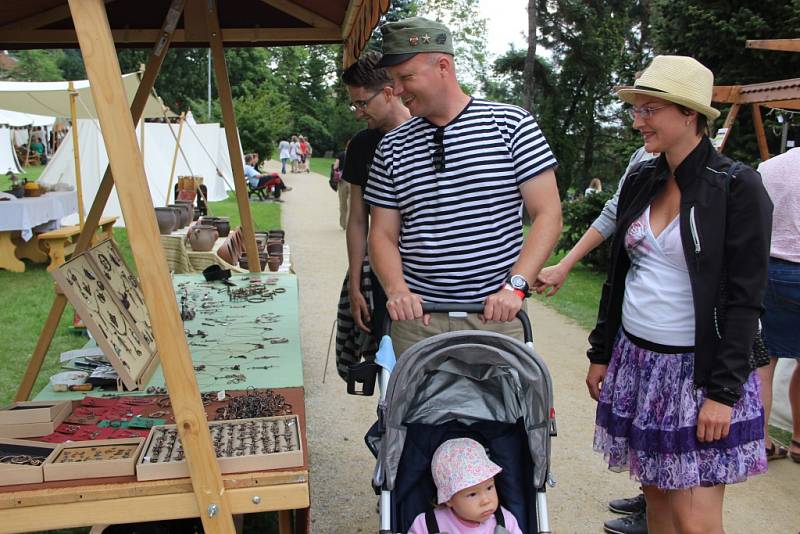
[196, 214]
[185, 213]
[274, 248]
[202, 237]
[277, 233]
[189, 205]
[274, 263]
[222, 224]
[167, 220]
[244, 264]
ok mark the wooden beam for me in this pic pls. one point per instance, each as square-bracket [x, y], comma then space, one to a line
[15, 37]
[301, 13]
[194, 21]
[157, 55]
[102, 68]
[42, 18]
[761, 135]
[350, 17]
[780, 45]
[232, 135]
[729, 120]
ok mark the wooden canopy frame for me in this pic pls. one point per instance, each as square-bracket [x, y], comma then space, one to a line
[783, 94]
[95, 26]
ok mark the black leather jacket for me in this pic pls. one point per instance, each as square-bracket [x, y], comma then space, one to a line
[724, 223]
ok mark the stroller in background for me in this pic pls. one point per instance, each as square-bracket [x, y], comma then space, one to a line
[476, 384]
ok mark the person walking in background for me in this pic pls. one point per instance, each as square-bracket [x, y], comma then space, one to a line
[304, 150]
[447, 188]
[595, 186]
[675, 375]
[284, 154]
[781, 321]
[294, 153]
[342, 187]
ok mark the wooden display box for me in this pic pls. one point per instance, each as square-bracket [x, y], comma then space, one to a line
[145, 470]
[11, 474]
[31, 419]
[59, 466]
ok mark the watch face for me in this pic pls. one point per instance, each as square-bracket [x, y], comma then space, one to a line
[518, 282]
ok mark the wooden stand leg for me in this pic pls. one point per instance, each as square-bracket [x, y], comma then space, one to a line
[285, 522]
[102, 68]
[8, 258]
[45, 338]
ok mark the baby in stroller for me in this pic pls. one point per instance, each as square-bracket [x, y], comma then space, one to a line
[466, 493]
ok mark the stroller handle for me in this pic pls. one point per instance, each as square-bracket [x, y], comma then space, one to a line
[476, 307]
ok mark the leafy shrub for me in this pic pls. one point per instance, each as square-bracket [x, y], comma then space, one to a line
[579, 215]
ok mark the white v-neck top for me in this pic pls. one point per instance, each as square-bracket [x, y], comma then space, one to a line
[658, 302]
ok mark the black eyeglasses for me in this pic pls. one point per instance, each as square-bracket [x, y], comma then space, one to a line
[438, 150]
[361, 105]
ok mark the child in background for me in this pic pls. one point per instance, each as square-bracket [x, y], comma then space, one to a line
[466, 494]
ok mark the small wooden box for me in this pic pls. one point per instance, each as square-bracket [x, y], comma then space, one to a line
[23, 474]
[33, 418]
[59, 468]
[145, 470]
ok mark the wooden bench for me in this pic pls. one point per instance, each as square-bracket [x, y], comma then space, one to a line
[61, 243]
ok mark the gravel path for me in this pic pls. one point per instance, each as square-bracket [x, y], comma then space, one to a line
[342, 500]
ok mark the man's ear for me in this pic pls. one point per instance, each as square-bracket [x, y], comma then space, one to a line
[444, 64]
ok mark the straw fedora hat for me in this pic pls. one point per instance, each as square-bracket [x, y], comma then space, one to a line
[679, 79]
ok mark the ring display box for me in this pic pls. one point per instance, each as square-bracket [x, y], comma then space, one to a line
[21, 461]
[93, 459]
[31, 419]
[241, 445]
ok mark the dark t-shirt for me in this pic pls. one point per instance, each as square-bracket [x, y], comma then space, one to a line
[359, 156]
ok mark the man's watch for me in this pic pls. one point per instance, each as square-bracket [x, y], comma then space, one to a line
[518, 283]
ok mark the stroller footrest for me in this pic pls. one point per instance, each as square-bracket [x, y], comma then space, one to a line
[365, 374]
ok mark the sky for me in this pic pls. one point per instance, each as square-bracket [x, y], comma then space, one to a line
[506, 22]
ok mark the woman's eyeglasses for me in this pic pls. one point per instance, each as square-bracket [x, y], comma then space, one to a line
[361, 105]
[438, 150]
[645, 112]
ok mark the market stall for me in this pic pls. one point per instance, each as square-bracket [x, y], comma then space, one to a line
[96, 28]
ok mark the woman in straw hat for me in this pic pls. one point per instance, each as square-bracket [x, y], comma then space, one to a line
[679, 405]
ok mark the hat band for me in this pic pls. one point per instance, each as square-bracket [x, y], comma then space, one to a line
[646, 88]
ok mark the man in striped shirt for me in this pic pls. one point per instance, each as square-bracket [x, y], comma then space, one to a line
[446, 190]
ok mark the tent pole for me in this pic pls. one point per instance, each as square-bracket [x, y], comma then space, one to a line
[100, 57]
[104, 191]
[761, 135]
[232, 135]
[175, 157]
[73, 95]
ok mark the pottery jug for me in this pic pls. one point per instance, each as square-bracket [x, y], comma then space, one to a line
[166, 219]
[189, 209]
[183, 211]
[202, 237]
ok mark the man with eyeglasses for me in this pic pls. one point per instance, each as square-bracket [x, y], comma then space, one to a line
[446, 190]
[373, 100]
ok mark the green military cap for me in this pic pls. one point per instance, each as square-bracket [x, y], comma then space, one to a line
[406, 38]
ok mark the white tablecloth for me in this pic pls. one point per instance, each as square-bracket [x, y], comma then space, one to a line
[24, 214]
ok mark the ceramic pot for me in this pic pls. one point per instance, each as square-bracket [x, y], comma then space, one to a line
[185, 213]
[196, 214]
[166, 219]
[274, 263]
[202, 237]
[222, 224]
[274, 248]
[277, 233]
[244, 264]
[189, 207]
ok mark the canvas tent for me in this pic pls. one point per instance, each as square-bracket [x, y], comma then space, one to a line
[203, 152]
[8, 158]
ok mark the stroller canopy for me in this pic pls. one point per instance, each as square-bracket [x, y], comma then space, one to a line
[467, 376]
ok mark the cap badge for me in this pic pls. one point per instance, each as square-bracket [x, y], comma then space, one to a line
[426, 39]
[441, 38]
[413, 40]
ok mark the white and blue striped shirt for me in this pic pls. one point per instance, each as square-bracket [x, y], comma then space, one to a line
[461, 228]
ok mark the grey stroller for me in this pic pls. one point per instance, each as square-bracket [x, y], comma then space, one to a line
[475, 384]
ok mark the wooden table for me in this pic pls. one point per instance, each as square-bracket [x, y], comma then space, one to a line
[18, 218]
[109, 501]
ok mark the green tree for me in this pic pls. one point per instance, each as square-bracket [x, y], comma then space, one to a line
[36, 66]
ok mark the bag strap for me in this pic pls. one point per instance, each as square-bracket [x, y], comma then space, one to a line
[498, 515]
[431, 523]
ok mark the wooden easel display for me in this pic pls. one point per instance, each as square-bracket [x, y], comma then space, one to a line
[212, 498]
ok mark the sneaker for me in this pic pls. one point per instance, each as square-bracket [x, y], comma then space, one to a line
[634, 505]
[631, 524]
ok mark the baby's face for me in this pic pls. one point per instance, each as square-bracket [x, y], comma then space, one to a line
[476, 503]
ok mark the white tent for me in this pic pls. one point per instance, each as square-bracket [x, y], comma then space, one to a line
[201, 149]
[52, 98]
[16, 119]
[8, 158]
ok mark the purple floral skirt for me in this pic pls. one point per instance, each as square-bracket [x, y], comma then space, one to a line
[647, 423]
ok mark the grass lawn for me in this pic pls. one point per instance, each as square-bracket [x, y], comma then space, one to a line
[26, 298]
[322, 165]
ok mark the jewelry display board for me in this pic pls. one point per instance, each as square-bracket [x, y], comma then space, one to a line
[241, 445]
[107, 296]
[93, 459]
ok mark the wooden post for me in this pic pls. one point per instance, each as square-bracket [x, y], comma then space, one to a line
[175, 157]
[761, 135]
[232, 135]
[103, 192]
[100, 57]
[729, 120]
[76, 153]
